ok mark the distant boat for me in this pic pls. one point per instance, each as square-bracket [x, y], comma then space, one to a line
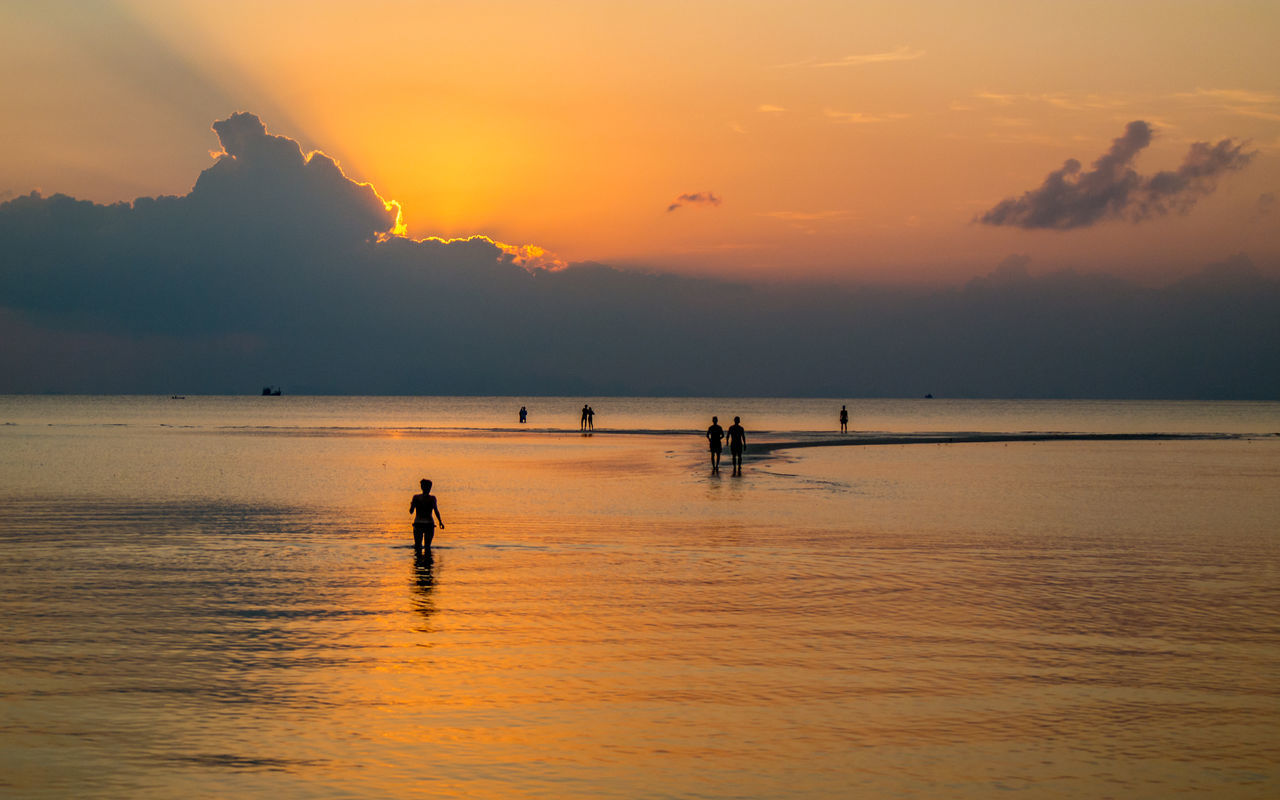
[270, 391]
[928, 396]
[177, 397]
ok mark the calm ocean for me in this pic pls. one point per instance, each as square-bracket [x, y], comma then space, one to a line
[218, 597]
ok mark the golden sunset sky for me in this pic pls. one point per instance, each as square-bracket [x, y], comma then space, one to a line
[843, 141]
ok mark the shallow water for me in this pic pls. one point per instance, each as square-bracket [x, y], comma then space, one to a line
[214, 597]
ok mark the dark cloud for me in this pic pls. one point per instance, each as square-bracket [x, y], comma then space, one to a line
[694, 198]
[269, 177]
[1071, 197]
[1204, 164]
[277, 269]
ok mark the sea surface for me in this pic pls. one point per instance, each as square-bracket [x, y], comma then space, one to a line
[218, 597]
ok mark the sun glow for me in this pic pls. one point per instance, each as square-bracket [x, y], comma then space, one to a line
[399, 228]
[575, 124]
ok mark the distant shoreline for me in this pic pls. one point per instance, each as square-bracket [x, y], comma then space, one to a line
[760, 441]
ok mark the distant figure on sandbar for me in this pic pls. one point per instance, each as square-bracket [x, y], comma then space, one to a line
[422, 506]
[523, 414]
[715, 436]
[591, 418]
[737, 442]
[585, 410]
[844, 419]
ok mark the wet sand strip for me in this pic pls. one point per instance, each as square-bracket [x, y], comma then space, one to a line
[856, 440]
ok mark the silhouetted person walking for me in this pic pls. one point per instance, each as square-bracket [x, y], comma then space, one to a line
[422, 506]
[523, 414]
[737, 442]
[715, 436]
[844, 419]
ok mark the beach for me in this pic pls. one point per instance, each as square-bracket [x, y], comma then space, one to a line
[219, 596]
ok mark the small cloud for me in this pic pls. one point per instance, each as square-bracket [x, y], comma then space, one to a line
[695, 198]
[903, 53]
[1009, 135]
[1231, 96]
[1085, 102]
[806, 221]
[1266, 204]
[1059, 100]
[722, 247]
[1256, 113]
[1245, 102]
[804, 216]
[1011, 122]
[998, 99]
[737, 127]
[1065, 103]
[765, 108]
[1071, 197]
[859, 118]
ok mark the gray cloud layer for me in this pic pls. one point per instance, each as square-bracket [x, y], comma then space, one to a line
[1071, 197]
[277, 269]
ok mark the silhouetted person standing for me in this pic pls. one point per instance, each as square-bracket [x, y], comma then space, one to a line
[715, 436]
[422, 506]
[591, 418]
[737, 442]
[523, 414]
[844, 419]
[585, 410]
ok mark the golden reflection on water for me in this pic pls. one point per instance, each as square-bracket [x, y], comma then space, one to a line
[996, 657]
[601, 618]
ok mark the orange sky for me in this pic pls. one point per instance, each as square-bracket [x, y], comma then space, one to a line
[845, 141]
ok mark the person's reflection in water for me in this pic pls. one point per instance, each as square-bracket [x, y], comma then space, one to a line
[423, 582]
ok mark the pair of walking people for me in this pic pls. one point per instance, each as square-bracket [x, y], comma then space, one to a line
[737, 443]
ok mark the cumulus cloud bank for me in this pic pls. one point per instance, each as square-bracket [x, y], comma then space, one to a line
[278, 269]
[694, 198]
[1072, 197]
[257, 170]
[267, 237]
